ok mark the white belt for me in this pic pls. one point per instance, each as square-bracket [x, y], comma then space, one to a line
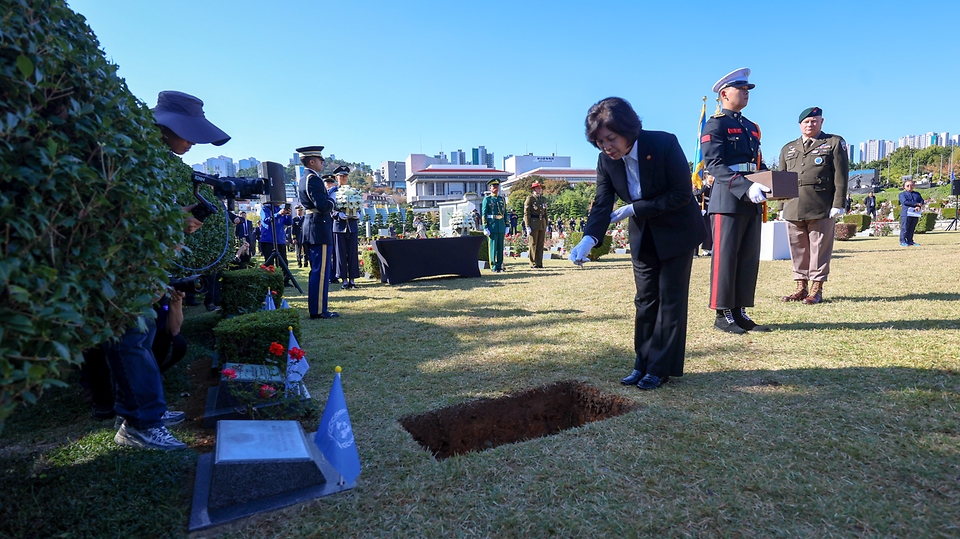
[744, 167]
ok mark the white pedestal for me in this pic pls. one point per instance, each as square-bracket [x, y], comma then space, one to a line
[773, 241]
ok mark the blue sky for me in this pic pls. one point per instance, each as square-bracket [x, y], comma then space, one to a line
[378, 80]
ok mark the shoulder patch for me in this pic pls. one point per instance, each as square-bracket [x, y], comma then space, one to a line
[843, 144]
[705, 138]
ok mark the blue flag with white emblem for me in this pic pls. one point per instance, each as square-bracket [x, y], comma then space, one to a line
[335, 435]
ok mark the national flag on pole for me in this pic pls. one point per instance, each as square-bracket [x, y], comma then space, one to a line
[268, 304]
[698, 164]
[335, 434]
[297, 365]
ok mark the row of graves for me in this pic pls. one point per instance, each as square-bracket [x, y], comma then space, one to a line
[262, 369]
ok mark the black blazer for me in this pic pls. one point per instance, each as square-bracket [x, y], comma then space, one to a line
[666, 205]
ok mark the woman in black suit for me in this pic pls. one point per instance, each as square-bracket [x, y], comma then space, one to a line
[649, 172]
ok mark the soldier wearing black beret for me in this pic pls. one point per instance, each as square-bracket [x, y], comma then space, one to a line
[820, 160]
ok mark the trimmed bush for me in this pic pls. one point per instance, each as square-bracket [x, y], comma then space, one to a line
[598, 251]
[371, 263]
[861, 220]
[926, 222]
[896, 213]
[484, 254]
[845, 231]
[243, 291]
[247, 338]
[90, 220]
[949, 213]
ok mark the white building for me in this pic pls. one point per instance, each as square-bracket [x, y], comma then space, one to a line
[394, 174]
[429, 185]
[221, 165]
[568, 174]
[518, 164]
[250, 162]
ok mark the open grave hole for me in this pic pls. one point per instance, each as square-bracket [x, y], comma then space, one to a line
[487, 423]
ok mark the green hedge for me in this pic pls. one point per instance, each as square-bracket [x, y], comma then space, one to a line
[927, 221]
[861, 220]
[484, 254]
[573, 238]
[949, 213]
[243, 291]
[371, 262]
[247, 338]
[845, 231]
[88, 206]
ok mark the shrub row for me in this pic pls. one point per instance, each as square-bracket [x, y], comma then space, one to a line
[247, 338]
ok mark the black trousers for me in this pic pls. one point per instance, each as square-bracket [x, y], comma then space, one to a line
[660, 325]
[348, 264]
[736, 260]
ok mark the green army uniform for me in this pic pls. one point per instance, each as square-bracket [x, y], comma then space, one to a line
[493, 210]
[535, 218]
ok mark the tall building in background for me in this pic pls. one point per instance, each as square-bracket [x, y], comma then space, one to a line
[889, 148]
[221, 165]
[863, 152]
[874, 150]
[394, 174]
[479, 156]
[955, 140]
[458, 158]
[943, 139]
[248, 163]
[850, 152]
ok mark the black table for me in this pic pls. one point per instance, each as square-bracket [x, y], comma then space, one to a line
[405, 260]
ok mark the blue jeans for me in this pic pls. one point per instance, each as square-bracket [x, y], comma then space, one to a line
[137, 386]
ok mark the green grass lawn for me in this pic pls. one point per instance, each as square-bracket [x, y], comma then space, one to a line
[843, 422]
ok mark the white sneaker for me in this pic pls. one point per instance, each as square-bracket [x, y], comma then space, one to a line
[155, 438]
[171, 419]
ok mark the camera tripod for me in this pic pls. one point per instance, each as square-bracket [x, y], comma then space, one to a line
[953, 224]
[275, 257]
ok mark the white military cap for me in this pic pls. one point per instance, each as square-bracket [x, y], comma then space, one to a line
[736, 79]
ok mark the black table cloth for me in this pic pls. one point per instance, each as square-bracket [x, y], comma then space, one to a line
[405, 260]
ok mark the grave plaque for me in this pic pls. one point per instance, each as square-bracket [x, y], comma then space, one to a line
[259, 466]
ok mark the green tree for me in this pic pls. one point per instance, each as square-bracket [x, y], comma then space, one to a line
[249, 172]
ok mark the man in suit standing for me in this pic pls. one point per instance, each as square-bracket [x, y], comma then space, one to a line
[871, 204]
[493, 209]
[317, 230]
[297, 232]
[346, 229]
[731, 151]
[535, 219]
[820, 160]
[648, 171]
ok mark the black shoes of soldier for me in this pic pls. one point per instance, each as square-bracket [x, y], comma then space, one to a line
[652, 382]
[726, 322]
[740, 316]
[328, 314]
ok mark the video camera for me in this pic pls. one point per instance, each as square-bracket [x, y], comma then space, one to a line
[230, 188]
[194, 283]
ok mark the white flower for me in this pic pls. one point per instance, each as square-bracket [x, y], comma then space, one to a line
[349, 199]
[456, 219]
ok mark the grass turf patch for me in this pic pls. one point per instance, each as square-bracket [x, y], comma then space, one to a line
[840, 423]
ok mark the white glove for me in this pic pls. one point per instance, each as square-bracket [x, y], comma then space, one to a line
[703, 212]
[620, 214]
[486, 231]
[835, 212]
[757, 192]
[578, 255]
[529, 231]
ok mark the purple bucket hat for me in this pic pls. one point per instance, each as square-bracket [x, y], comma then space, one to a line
[183, 114]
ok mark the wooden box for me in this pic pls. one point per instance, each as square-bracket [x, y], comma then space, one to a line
[782, 184]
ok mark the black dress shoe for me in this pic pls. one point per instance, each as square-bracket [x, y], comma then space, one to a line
[652, 382]
[330, 314]
[633, 378]
[726, 322]
[744, 321]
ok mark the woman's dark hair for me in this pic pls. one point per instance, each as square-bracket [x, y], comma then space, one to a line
[615, 114]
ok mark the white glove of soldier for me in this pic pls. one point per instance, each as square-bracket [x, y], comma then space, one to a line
[578, 255]
[529, 231]
[486, 231]
[620, 214]
[757, 192]
[836, 212]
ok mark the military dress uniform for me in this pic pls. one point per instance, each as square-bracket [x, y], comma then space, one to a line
[317, 235]
[494, 209]
[330, 183]
[346, 232]
[297, 232]
[822, 167]
[535, 218]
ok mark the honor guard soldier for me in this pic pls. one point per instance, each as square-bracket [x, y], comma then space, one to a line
[317, 230]
[346, 229]
[535, 219]
[820, 160]
[330, 183]
[731, 152]
[296, 233]
[494, 209]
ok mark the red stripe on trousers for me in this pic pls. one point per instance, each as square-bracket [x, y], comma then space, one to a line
[714, 275]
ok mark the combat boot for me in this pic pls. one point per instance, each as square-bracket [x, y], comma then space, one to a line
[816, 294]
[799, 294]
